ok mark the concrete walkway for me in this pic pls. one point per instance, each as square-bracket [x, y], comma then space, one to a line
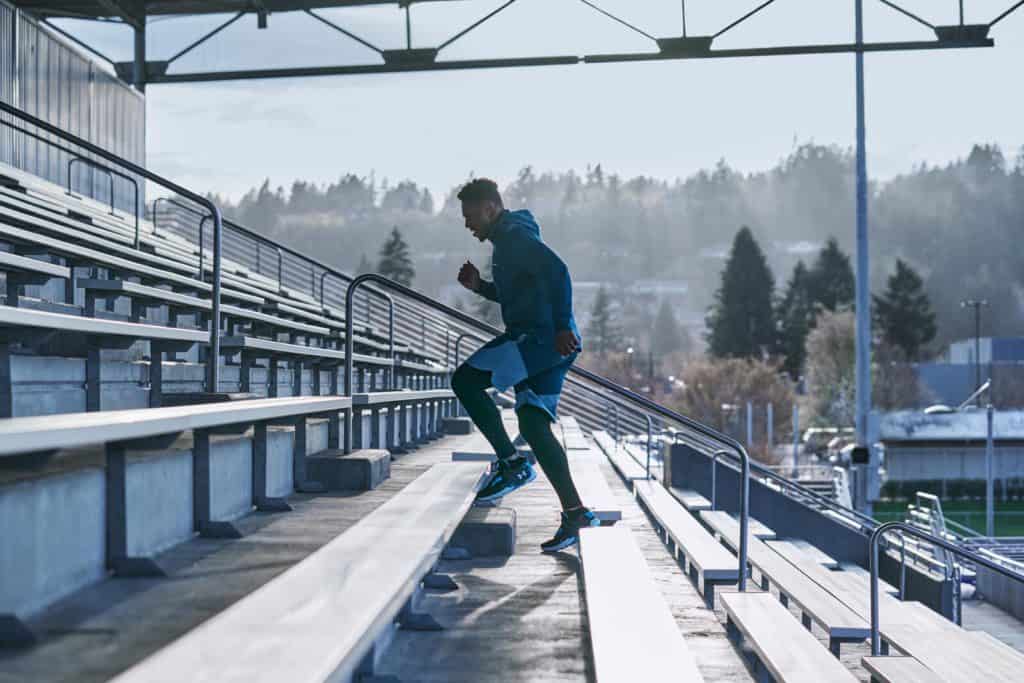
[522, 618]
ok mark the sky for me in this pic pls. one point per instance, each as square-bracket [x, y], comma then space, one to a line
[661, 119]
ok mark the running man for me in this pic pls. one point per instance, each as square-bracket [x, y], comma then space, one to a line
[541, 341]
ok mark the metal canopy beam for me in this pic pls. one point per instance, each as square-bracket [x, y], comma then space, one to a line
[95, 9]
[423, 64]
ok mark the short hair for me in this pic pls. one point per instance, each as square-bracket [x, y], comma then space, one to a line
[480, 190]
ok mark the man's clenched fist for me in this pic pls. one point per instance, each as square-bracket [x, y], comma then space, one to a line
[566, 343]
[469, 276]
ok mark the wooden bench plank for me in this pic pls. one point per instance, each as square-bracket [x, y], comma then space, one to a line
[594, 489]
[319, 619]
[268, 348]
[632, 632]
[691, 500]
[15, 262]
[708, 563]
[840, 622]
[20, 317]
[80, 254]
[790, 653]
[900, 670]
[622, 462]
[400, 396]
[54, 432]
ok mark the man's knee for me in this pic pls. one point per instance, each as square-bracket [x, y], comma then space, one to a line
[466, 380]
[534, 423]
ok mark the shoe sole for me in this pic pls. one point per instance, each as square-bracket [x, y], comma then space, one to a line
[569, 542]
[507, 490]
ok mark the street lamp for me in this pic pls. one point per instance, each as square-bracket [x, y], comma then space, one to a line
[990, 450]
[976, 304]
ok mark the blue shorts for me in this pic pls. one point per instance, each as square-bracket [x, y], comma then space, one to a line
[503, 357]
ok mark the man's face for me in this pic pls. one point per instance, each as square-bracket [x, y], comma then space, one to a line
[480, 217]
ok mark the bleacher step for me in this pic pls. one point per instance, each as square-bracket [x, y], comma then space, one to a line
[361, 470]
[633, 635]
[486, 532]
[786, 650]
[899, 670]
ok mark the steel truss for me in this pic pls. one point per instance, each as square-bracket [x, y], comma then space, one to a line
[409, 59]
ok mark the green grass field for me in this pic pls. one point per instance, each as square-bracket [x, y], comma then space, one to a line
[1009, 516]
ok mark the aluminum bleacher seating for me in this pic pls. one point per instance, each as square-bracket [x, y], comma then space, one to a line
[816, 605]
[633, 635]
[352, 591]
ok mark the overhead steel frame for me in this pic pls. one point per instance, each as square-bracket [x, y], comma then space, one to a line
[408, 59]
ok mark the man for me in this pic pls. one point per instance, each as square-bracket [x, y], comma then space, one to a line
[532, 285]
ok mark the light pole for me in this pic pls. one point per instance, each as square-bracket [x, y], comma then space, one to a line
[976, 304]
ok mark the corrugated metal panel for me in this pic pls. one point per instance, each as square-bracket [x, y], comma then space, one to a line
[8, 51]
[57, 83]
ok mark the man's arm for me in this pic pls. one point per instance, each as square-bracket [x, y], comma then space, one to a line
[549, 268]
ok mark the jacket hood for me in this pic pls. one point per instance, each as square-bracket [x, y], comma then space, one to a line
[518, 220]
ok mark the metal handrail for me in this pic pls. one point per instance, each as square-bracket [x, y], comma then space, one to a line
[111, 173]
[212, 364]
[603, 382]
[866, 521]
[75, 156]
[930, 538]
[98, 167]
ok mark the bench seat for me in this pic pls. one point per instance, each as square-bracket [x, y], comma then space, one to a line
[789, 653]
[899, 670]
[707, 562]
[155, 295]
[322, 618]
[816, 604]
[82, 255]
[266, 348]
[593, 487]
[633, 635]
[691, 500]
[628, 468]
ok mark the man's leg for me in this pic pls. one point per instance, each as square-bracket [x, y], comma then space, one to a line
[535, 426]
[470, 386]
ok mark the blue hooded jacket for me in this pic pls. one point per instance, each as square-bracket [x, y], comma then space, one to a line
[533, 287]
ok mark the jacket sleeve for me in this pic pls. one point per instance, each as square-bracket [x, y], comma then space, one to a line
[487, 290]
[549, 268]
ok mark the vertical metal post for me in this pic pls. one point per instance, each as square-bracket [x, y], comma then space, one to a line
[213, 362]
[977, 347]
[650, 437]
[750, 424]
[139, 63]
[770, 427]
[863, 287]
[989, 475]
[408, 27]
[796, 440]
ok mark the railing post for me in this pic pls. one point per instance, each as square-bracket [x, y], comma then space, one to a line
[650, 435]
[908, 529]
[213, 362]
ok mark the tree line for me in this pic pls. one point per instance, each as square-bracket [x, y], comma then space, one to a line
[955, 225]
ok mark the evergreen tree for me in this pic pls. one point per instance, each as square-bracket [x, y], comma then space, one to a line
[395, 261]
[832, 281]
[604, 331]
[904, 314]
[795, 315]
[741, 321]
[666, 337]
